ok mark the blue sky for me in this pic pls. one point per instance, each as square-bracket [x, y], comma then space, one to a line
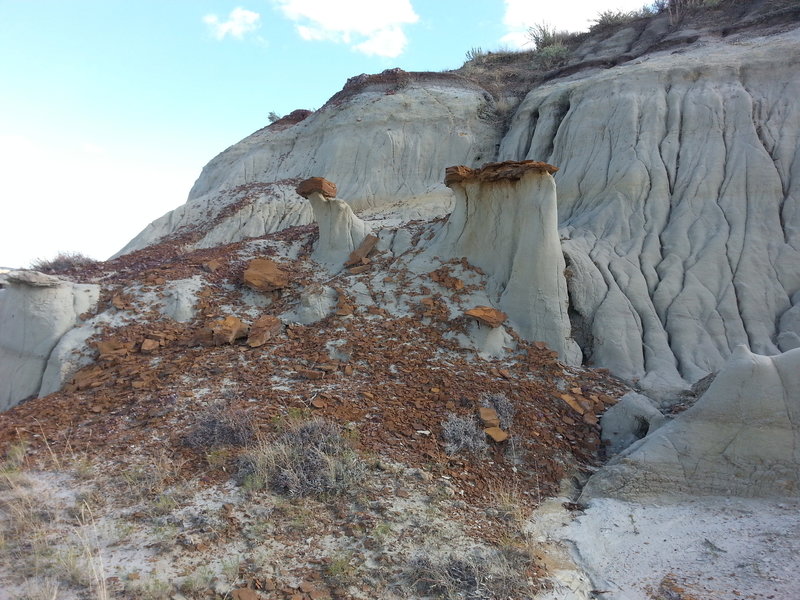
[110, 108]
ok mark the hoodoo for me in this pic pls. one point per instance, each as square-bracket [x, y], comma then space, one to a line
[505, 222]
[340, 230]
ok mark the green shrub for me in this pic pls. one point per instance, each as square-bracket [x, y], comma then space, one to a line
[611, 18]
[476, 54]
[551, 57]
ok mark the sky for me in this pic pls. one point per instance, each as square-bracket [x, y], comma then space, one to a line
[109, 109]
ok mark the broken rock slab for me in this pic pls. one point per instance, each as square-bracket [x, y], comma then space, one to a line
[487, 315]
[340, 231]
[359, 255]
[264, 329]
[36, 311]
[265, 275]
[228, 330]
[741, 438]
[505, 221]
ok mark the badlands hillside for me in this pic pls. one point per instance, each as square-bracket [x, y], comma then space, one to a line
[525, 329]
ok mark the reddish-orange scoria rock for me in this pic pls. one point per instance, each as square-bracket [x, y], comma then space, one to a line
[487, 315]
[316, 184]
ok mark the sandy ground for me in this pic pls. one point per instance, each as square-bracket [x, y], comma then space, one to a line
[702, 548]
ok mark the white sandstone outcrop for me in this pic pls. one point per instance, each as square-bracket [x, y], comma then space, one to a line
[504, 222]
[70, 354]
[250, 210]
[36, 311]
[679, 197]
[629, 420]
[741, 438]
[383, 139]
[340, 230]
[316, 303]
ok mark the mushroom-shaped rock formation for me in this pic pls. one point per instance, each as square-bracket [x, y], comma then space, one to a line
[340, 230]
[505, 222]
[35, 312]
[741, 438]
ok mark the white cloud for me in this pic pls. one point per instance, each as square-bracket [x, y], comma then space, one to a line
[374, 28]
[91, 148]
[571, 15]
[387, 42]
[240, 22]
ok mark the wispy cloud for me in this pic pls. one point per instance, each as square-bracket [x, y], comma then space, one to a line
[240, 22]
[367, 26]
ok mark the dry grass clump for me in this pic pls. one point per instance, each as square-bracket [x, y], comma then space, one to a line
[543, 35]
[151, 480]
[462, 434]
[479, 575]
[46, 547]
[608, 19]
[310, 458]
[552, 46]
[219, 427]
[63, 263]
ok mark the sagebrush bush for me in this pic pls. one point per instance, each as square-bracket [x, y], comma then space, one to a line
[551, 57]
[462, 434]
[502, 406]
[311, 458]
[219, 427]
[479, 575]
[64, 262]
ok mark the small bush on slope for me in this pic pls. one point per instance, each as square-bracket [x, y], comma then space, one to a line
[543, 35]
[311, 458]
[551, 57]
[220, 427]
[463, 434]
[64, 262]
[479, 575]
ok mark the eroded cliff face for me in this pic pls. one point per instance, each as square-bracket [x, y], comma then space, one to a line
[678, 201]
[384, 139]
[677, 190]
[35, 313]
